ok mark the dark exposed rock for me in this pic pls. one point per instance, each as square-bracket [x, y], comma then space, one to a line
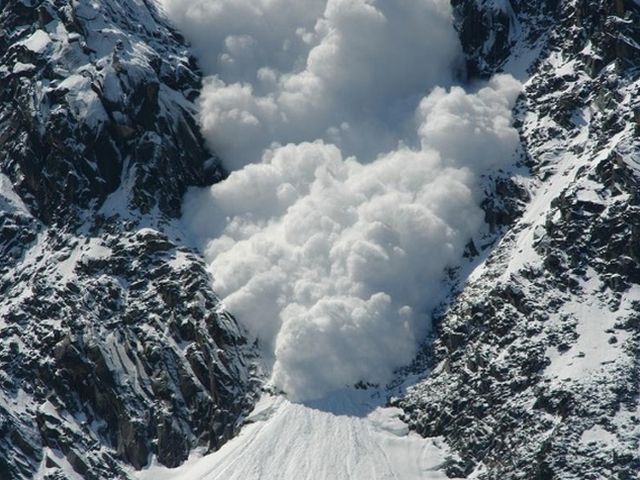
[519, 375]
[85, 119]
[112, 338]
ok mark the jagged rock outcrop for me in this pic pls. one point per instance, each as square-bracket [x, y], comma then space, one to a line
[535, 373]
[113, 347]
[92, 94]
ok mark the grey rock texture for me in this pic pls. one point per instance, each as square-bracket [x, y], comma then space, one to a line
[534, 373]
[94, 93]
[113, 348]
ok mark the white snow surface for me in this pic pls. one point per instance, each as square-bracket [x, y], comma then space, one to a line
[593, 349]
[347, 435]
[20, 67]
[9, 199]
[38, 41]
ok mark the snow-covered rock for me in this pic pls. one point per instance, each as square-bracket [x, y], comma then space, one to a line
[536, 359]
[114, 349]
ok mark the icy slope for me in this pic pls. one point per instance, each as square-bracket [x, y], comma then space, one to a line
[348, 435]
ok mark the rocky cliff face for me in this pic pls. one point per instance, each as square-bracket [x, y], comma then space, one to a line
[113, 348]
[535, 371]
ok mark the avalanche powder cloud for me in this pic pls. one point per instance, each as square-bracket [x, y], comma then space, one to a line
[347, 71]
[356, 180]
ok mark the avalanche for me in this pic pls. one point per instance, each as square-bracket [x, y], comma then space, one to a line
[332, 252]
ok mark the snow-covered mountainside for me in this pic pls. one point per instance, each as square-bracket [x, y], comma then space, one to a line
[113, 347]
[117, 359]
[535, 370]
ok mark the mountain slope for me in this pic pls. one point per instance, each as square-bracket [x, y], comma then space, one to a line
[535, 371]
[115, 353]
[114, 348]
[347, 435]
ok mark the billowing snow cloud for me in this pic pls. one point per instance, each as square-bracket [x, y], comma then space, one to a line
[355, 182]
[347, 71]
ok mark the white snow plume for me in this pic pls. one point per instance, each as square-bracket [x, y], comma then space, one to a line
[347, 71]
[355, 179]
[334, 264]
